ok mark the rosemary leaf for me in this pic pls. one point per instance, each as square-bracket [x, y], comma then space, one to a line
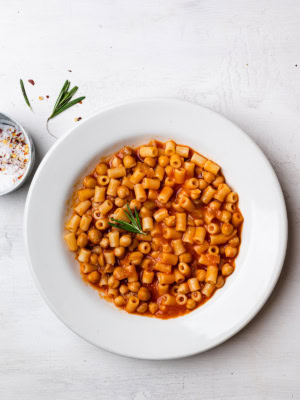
[128, 229]
[68, 96]
[114, 225]
[24, 94]
[137, 217]
[61, 94]
[131, 217]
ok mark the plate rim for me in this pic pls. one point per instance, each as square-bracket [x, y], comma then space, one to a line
[280, 262]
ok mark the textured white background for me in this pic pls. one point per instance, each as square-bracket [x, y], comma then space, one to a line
[237, 57]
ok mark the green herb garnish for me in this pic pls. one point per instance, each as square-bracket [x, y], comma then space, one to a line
[133, 226]
[64, 102]
[24, 94]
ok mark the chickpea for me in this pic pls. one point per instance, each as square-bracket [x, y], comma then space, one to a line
[129, 162]
[142, 308]
[119, 301]
[97, 250]
[201, 274]
[112, 292]
[123, 289]
[125, 240]
[101, 260]
[89, 182]
[135, 204]
[144, 212]
[82, 240]
[104, 243]
[94, 277]
[208, 176]
[134, 286]
[202, 184]
[230, 252]
[151, 161]
[136, 258]
[220, 281]
[101, 169]
[94, 236]
[113, 282]
[214, 205]
[94, 259]
[119, 273]
[234, 242]
[123, 192]
[119, 251]
[144, 294]
[225, 216]
[127, 151]
[170, 221]
[227, 228]
[227, 269]
[163, 161]
[153, 308]
[190, 304]
[120, 202]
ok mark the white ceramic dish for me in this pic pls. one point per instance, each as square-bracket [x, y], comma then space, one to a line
[264, 235]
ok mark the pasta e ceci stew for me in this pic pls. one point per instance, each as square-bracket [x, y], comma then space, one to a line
[156, 229]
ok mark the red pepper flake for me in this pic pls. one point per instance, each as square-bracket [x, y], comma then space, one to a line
[19, 134]
[31, 81]
[69, 70]
[47, 96]
[77, 119]
[80, 102]
[1, 130]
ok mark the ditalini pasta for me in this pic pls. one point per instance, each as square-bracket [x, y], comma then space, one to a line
[156, 229]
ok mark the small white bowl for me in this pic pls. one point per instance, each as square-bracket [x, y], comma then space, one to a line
[258, 265]
[6, 120]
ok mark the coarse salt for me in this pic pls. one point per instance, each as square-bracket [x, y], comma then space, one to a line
[14, 156]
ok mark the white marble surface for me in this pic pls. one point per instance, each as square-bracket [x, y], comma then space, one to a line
[237, 57]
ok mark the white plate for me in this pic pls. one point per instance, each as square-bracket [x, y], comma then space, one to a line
[264, 234]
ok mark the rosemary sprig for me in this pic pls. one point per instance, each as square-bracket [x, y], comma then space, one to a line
[25, 94]
[63, 101]
[133, 226]
[64, 107]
